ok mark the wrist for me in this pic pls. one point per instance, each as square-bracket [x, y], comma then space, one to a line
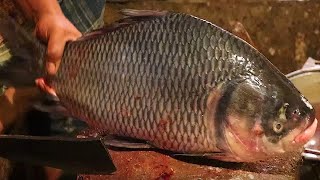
[40, 13]
[36, 9]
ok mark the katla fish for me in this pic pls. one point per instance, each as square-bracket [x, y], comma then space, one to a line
[178, 82]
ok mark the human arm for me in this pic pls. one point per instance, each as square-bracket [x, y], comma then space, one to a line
[51, 27]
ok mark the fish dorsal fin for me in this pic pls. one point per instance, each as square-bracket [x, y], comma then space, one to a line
[142, 13]
[130, 16]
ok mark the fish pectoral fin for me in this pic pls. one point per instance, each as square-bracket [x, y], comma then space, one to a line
[127, 143]
[51, 104]
[51, 108]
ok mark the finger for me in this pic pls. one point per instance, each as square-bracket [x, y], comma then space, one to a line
[55, 49]
[44, 87]
[40, 34]
[56, 46]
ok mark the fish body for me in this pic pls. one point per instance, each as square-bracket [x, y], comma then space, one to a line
[182, 84]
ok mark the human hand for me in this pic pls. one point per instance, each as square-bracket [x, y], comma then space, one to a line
[55, 30]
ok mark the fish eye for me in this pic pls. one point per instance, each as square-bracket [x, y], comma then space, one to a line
[277, 127]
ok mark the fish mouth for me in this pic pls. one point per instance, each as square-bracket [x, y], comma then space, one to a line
[307, 133]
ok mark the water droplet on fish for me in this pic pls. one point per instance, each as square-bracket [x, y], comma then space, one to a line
[250, 176]
[272, 51]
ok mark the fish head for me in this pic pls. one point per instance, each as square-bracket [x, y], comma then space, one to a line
[288, 119]
[289, 123]
[267, 118]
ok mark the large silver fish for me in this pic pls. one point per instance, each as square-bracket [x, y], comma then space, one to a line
[176, 81]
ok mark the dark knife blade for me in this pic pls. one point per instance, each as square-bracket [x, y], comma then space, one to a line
[74, 155]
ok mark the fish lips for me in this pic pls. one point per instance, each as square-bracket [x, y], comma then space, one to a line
[307, 133]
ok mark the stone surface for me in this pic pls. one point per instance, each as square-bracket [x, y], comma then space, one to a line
[147, 165]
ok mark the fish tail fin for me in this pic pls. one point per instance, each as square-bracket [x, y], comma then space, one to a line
[25, 63]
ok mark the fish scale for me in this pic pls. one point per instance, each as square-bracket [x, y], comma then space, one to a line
[142, 86]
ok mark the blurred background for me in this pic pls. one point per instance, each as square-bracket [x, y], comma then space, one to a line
[286, 31]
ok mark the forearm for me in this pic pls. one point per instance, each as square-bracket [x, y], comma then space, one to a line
[34, 9]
